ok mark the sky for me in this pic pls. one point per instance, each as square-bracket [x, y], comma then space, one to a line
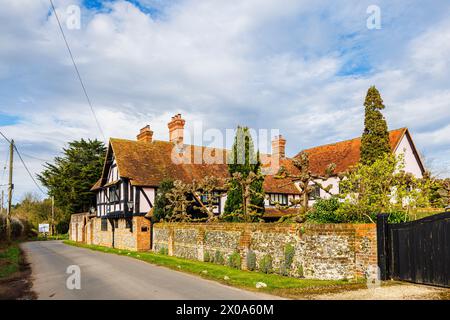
[301, 67]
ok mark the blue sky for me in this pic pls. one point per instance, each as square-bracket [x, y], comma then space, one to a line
[302, 67]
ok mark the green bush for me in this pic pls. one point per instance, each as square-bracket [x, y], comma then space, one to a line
[289, 252]
[326, 211]
[164, 251]
[300, 271]
[265, 265]
[234, 260]
[398, 217]
[207, 257]
[251, 260]
[218, 258]
[161, 211]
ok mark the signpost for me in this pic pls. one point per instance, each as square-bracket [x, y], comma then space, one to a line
[44, 228]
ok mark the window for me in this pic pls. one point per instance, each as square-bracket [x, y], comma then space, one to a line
[116, 223]
[215, 198]
[129, 224]
[315, 193]
[104, 226]
[113, 194]
[281, 199]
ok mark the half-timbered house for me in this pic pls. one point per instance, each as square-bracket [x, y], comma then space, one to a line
[134, 169]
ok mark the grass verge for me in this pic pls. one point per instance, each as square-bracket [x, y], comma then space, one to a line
[9, 259]
[276, 284]
[15, 273]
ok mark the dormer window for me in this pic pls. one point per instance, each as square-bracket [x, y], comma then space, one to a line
[281, 199]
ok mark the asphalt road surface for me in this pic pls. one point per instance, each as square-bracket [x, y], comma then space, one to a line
[109, 276]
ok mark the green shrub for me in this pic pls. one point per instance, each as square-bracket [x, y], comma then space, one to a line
[218, 258]
[398, 217]
[207, 257]
[265, 265]
[234, 260]
[326, 211]
[251, 260]
[289, 252]
[164, 251]
[300, 271]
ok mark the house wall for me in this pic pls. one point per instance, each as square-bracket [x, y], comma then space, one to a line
[144, 206]
[326, 251]
[411, 164]
[77, 227]
[138, 239]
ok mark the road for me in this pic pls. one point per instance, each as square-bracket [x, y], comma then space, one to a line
[109, 276]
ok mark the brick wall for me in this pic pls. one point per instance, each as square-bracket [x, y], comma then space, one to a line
[89, 230]
[322, 251]
[77, 231]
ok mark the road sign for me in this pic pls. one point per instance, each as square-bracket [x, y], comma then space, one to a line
[44, 228]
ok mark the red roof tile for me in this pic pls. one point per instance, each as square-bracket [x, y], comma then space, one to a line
[344, 154]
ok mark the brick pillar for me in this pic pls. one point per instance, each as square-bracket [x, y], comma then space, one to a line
[201, 244]
[244, 246]
[170, 244]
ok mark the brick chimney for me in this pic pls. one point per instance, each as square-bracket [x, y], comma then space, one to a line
[145, 134]
[278, 147]
[176, 129]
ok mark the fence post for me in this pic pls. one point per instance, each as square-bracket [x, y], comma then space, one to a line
[382, 241]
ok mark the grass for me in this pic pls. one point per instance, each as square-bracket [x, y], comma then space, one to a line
[276, 284]
[9, 259]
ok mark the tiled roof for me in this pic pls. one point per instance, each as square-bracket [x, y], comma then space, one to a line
[148, 163]
[278, 213]
[344, 154]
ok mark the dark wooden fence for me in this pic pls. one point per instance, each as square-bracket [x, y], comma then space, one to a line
[417, 251]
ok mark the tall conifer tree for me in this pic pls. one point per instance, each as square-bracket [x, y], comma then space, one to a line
[244, 160]
[375, 139]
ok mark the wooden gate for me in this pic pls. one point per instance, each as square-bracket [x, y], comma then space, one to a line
[417, 251]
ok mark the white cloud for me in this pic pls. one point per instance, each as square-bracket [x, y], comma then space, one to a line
[262, 64]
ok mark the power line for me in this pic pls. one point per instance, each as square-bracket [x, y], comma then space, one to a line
[4, 137]
[29, 173]
[4, 167]
[77, 72]
[34, 157]
[23, 162]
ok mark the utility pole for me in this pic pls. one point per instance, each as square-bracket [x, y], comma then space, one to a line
[10, 190]
[3, 201]
[53, 215]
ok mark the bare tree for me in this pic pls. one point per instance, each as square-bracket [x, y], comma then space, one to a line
[205, 193]
[179, 201]
[306, 180]
[198, 195]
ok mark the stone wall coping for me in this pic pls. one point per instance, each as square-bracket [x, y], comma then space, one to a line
[284, 226]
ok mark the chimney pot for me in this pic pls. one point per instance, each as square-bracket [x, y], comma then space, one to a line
[176, 129]
[279, 147]
[145, 134]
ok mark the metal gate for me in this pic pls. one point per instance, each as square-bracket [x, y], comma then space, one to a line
[417, 251]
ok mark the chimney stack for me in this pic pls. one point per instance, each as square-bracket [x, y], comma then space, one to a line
[145, 135]
[176, 129]
[278, 147]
